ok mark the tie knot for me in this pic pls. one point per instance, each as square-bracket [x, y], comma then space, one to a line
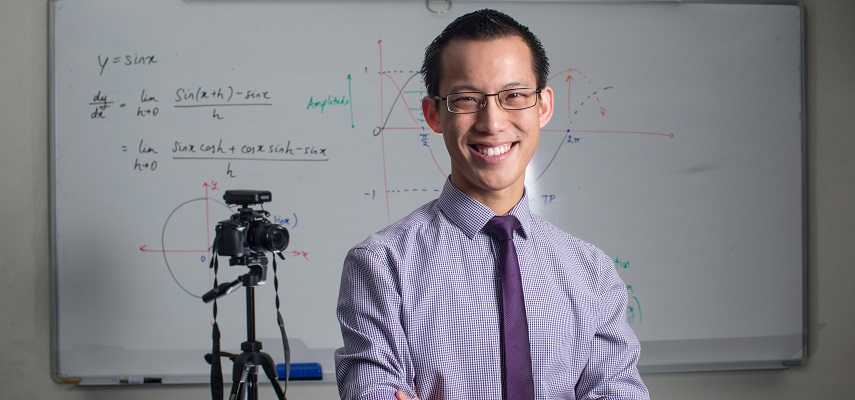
[502, 227]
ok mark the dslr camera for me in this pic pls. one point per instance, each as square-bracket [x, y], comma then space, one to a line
[248, 234]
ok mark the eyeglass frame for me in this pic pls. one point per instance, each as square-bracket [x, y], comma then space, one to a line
[484, 104]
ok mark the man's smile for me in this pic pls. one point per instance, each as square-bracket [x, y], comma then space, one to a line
[494, 150]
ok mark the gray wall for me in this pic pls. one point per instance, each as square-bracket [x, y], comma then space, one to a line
[24, 221]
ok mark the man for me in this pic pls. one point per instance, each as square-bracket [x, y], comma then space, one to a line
[420, 306]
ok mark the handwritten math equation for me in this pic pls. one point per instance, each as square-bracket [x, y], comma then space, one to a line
[148, 104]
[147, 156]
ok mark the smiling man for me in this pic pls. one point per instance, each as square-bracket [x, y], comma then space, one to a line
[490, 145]
[443, 304]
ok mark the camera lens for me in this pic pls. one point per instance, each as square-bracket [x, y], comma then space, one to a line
[264, 236]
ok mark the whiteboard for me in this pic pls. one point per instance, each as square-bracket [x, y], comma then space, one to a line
[676, 146]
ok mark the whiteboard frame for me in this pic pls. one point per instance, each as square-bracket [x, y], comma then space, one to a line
[55, 362]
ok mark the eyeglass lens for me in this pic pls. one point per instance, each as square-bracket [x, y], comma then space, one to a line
[511, 99]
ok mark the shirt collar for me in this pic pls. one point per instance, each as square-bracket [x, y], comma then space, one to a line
[470, 215]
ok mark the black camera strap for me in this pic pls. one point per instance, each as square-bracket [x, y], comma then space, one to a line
[285, 347]
[216, 365]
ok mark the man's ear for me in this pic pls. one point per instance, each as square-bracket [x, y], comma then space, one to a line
[430, 109]
[545, 104]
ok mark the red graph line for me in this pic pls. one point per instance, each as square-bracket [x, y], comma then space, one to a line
[211, 271]
[430, 149]
[569, 80]
[563, 71]
[207, 216]
[380, 49]
[568, 71]
[404, 99]
[436, 163]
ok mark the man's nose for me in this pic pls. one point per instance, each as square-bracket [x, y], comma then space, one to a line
[492, 117]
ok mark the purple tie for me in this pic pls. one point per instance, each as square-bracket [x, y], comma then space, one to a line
[517, 382]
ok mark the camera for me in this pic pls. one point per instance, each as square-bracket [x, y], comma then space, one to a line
[248, 234]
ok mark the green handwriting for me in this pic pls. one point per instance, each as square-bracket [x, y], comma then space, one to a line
[329, 101]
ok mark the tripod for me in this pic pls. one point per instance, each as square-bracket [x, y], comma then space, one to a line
[245, 370]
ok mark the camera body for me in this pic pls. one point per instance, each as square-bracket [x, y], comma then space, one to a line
[248, 234]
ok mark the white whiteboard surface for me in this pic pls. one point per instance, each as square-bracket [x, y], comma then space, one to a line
[676, 146]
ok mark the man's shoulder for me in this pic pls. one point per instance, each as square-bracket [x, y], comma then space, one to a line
[544, 230]
[403, 229]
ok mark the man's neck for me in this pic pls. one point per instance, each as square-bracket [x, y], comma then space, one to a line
[500, 201]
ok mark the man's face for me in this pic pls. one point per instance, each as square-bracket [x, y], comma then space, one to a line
[490, 149]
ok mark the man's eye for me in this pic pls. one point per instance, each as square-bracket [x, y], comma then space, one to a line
[466, 100]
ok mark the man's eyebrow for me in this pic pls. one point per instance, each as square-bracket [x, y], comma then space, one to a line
[463, 88]
[470, 88]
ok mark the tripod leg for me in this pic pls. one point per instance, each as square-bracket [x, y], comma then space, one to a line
[266, 362]
[237, 386]
[240, 372]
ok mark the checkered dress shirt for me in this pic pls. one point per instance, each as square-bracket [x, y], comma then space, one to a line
[419, 312]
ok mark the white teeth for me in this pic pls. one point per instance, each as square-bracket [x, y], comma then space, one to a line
[495, 151]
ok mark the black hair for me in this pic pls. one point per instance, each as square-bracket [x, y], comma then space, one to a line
[483, 24]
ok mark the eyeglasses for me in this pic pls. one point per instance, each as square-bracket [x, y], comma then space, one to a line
[472, 102]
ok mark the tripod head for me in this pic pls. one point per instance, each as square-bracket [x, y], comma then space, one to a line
[257, 264]
[257, 275]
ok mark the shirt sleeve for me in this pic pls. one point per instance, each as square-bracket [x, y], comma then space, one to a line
[374, 362]
[611, 372]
